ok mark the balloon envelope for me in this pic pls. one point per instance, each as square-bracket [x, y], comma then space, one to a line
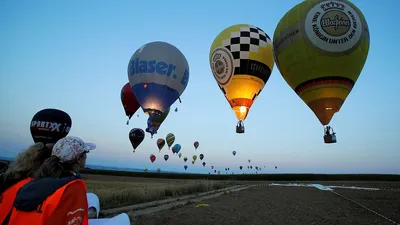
[158, 73]
[160, 143]
[320, 60]
[234, 152]
[129, 102]
[201, 156]
[166, 157]
[177, 148]
[170, 139]
[50, 125]
[196, 144]
[241, 61]
[136, 136]
[152, 158]
[185, 166]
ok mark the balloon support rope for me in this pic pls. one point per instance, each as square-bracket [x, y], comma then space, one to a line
[179, 100]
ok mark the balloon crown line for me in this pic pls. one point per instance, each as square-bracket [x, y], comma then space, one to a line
[332, 5]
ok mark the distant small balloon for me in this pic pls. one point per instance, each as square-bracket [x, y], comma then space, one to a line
[196, 144]
[152, 158]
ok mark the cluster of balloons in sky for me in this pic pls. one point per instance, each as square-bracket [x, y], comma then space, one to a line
[50, 125]
[319, 46]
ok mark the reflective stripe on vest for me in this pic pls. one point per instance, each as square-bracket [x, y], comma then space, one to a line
[8, 196]
[43, 212]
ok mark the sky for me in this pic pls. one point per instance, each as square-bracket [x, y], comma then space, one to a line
[73, 55]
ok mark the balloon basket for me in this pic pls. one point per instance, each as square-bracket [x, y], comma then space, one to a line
[330, 138]
[240, 129]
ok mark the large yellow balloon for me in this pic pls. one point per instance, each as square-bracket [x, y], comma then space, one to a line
[241, 61]
[320, 47]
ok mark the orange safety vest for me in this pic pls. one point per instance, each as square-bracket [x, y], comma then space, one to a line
[45, 210]
[8, 196]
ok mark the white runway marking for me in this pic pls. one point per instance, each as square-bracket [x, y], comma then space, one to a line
[331, 189]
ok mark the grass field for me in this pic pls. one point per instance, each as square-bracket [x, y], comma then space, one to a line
[117, 191]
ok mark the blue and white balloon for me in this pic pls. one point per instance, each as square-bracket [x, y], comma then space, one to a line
[158, 73]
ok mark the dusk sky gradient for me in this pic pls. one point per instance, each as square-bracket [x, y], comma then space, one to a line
[73, 55]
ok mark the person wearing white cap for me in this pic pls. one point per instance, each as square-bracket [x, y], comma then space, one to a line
[57, 195]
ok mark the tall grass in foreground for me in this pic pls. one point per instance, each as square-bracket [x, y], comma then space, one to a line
[122, 195]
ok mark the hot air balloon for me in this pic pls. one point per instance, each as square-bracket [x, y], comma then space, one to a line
[193, 162]
[152, 158]
[50, 125]
[173, 149]
[276, 167]
[196, 145]
[234, 153]
[215, 171]
[129, 102]
[154, 123]
[320, 49]
[204, 164]
[160, 143]
[170, 139]
[241, 61]
[251, 167]
[185, 159]
[185, 166]
[249, 160]
[136, 136]
[228, 169]
[158, 73]
[166, 157]
[177, 148]
[201, 156]
[180, 155]
[194, 157]
[176, 110]
[240, 167]
[212, 167]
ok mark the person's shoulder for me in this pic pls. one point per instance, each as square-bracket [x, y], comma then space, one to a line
[76, 183]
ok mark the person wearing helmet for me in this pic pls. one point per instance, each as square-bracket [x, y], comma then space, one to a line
[57, 194]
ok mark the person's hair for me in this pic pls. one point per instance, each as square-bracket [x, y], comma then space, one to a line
[52, 167]
[25, 164]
